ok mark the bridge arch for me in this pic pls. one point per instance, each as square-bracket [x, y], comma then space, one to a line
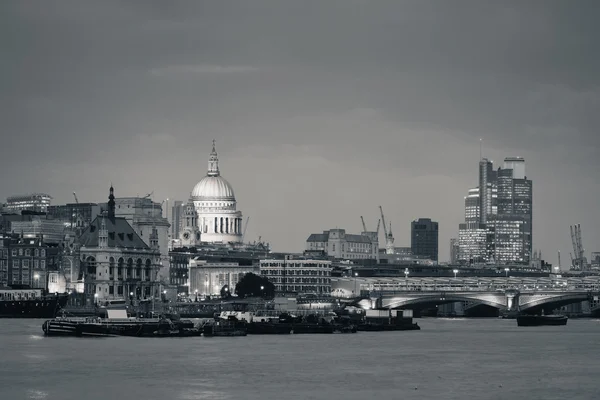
[496, 300]
[550, 300]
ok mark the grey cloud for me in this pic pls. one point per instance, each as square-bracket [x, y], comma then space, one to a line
[335, 106]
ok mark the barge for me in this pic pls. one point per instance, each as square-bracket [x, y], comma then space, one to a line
[118, 324]
[30, 303]
[542, 320]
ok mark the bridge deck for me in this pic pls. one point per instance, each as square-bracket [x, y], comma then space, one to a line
[344, 287]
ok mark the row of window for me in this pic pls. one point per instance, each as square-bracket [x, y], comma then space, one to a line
[25, 263]
[27, 252]
[274, 272]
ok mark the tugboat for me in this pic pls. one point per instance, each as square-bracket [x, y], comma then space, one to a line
[541, 320]
[30, 303]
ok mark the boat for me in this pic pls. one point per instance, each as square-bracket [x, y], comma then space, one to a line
[224, 328]
[30, 303]
[388, 320]
[118, 324]
[542, 320]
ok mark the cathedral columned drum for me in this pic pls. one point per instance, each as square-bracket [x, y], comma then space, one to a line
[216, 207]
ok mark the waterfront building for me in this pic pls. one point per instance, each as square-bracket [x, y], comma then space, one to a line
[146, 218]
[115, 263]
[208, 278]
[29, 263]
[424, 238]
[30, 202]
[338, 244]
[298, 275]
[243, 255]
[218, 218]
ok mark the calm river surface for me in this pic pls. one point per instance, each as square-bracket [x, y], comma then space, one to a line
[447, 359]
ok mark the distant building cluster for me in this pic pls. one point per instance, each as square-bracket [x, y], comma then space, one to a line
[129, 249]
[498, 217]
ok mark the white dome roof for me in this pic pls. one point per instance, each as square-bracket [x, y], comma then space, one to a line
[213, 188]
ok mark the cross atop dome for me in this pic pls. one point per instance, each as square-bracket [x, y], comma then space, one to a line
[213, 162]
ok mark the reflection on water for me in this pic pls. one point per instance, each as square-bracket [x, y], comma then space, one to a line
[448, 358]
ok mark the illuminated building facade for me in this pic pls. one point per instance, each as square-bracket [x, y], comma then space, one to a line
[31, 202]
[298, 275]
[207, 278]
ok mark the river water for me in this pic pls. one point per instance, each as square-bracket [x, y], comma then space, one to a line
[447, 359]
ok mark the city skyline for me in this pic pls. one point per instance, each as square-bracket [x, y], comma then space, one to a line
[300, 130]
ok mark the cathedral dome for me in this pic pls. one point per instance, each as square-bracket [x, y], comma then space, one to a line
[213, 188]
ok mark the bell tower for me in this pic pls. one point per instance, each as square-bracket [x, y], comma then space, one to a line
[190, 233]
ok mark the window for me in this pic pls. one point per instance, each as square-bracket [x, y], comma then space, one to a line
[42, 253]
[28, 252]
[36, 253]
[25, 263]
[16, 264]
[20, 252]
[42, 263]
[14, 252]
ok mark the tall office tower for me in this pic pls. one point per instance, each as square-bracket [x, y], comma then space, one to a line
[454, 251]
[514, 222]
[517, 164]
[487, 182]
[424, 238]
[176, 213]
[472, 215]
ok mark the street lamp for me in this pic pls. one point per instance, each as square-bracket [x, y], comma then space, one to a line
[455, 272]
[406, 272]
[355, 276]
[36, 277]
[261, 290]
[506, 271]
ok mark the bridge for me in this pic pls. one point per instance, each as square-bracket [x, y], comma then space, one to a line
[507, 294]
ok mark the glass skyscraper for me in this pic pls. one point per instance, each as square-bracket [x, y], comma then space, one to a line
[502, 207]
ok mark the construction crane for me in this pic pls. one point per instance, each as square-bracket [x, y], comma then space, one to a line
[245, 227]
[389, 237]
[559, 261]
[363, 224]
[378, 224]
[76, 199]
[579, 261]
[148, 195]
[582, 259]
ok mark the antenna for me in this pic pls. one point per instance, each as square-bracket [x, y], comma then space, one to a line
[480, 149]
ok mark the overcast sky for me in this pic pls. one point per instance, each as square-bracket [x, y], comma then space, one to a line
[322, 110]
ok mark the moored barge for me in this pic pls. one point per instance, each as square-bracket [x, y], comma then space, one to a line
[30, 303]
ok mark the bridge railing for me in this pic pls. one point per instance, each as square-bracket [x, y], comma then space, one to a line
[490, 288]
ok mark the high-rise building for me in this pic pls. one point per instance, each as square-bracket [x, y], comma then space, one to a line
[176, 212]
[515, 212]
[502, 205]
[472, 215]
[424, 238]
[487, 181]
[476, 244]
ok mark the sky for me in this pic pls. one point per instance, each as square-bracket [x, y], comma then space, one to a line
[322, 110]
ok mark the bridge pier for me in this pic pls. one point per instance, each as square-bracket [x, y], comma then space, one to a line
[512, 300]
